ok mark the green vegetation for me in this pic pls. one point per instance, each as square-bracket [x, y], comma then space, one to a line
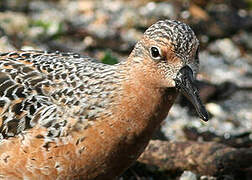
[109, 58]
[249, 4]
[49, 29]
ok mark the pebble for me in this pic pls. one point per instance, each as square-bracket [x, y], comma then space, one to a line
[162, 9]
[5, 45]
[188, 175]
[207, 178]
[226, 48]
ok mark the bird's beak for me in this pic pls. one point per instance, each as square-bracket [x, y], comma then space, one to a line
[185, 83]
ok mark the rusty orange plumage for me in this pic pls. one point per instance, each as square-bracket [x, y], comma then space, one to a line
[65, 116]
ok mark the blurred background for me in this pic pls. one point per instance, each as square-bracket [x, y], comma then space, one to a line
[107, 30]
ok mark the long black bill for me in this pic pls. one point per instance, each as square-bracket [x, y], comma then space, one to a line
[185, 83]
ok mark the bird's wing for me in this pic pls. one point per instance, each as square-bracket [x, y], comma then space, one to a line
[29, 91]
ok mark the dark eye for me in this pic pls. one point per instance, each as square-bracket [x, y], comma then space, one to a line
[155, 52]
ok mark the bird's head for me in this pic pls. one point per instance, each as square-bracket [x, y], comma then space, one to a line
[171, 47]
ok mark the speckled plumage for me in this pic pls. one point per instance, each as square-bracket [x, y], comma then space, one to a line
[64, 116]
[48, 88]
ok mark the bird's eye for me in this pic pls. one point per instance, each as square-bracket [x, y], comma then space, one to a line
[155, 52]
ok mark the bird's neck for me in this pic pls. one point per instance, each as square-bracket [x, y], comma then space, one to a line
[137, 107]
[142, 103]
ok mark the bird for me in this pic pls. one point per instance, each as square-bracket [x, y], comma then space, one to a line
[69, 116]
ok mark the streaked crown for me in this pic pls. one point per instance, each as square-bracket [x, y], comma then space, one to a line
[178, 34]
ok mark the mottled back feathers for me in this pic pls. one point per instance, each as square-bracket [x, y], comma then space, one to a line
[46, 89]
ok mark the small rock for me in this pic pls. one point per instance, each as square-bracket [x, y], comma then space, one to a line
[215, 109]
[207, 178]
[162, 9]
[5, 45]
[188, 175]
[14, 23]
[246, 38]
[227, 48]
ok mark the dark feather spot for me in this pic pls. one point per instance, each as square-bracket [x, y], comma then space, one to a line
[20, 92]
[81, 150]
[12, 126]
[64, 91]
[73, 84]
[35, 55]
[63, 100]
[4, 86]
[2, 103]
[32, 109]
[27, 122]
[39, 136]
[76, 103]
[27, 69]
[17, 108]
[47, 146]
[36, 81]
[57, 76]
[10, 92]
[39, 90]
[4, 54]
[70, 93]
[63, 76]
[14, 55]
[26, 55]
[6, 159]
[81, 87]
